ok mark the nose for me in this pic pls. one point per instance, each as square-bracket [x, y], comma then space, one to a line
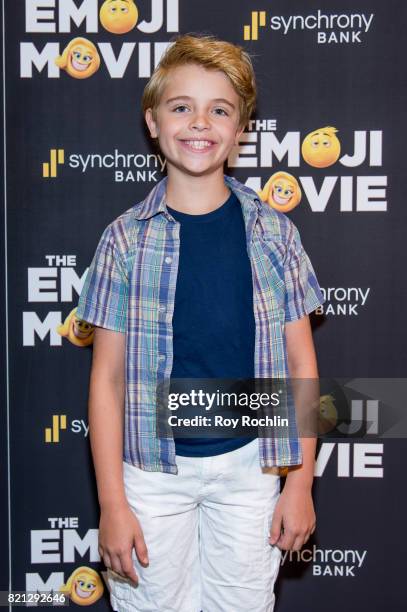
[199, 121]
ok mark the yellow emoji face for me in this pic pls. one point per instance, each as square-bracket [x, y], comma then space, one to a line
[328, 414]
[118, 16]
[76, 330]
[81, 329]
[321, 148]
[84, 587]
[282, 192]
[80, 59]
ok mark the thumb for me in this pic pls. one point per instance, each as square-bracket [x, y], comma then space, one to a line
[276, 525]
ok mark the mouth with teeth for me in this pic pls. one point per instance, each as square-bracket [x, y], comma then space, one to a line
[80, 329]
[81, 593]
[198, 145]
[78, 65]
[280, 199]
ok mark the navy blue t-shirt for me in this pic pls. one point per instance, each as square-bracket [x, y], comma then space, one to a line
[213, 322]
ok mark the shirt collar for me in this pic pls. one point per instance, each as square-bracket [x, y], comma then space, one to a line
[155, 203]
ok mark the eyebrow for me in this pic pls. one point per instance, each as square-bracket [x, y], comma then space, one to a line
[189, 98]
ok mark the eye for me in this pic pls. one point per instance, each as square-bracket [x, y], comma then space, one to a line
[279, 189]
[81, 583]
[315, 143]
[90, 585]
[326, 143]
[180, 106]
[77, 55]
[124, 9]
[113, 9]
[87, 58]
[222, 111]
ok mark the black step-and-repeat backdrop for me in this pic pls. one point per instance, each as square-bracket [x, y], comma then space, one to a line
[327, 145]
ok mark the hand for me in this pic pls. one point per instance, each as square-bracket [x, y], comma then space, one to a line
[119, 531]
[293, 518]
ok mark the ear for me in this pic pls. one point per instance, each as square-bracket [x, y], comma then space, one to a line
[152, 125]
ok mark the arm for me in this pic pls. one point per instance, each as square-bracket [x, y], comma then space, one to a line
[119, 529]
[295, 510]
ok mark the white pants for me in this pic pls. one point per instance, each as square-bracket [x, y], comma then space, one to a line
[206, 531]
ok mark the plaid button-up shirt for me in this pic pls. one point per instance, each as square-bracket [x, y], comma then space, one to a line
[130, 288]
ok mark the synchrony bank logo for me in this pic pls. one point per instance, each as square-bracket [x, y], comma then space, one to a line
[124, 167]
[50, 168]
[343, 301]
[328, 561]
[52, 434]
[59, 423]
[327, 28]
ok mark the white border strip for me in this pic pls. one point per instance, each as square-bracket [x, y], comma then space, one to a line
[6, 294]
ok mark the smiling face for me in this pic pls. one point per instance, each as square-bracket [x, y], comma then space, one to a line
[282, 191]
[196, 121]
[81, 329]
[80, 58]
[118, 16]
[86, 586]
[286, 193]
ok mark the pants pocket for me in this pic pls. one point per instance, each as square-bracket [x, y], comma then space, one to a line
[118, 586]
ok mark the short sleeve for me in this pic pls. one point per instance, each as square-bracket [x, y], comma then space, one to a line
[104, 296]
[303, 293]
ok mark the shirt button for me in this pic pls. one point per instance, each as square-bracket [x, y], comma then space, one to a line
[161, 308]
[161, 357]
[168, 259]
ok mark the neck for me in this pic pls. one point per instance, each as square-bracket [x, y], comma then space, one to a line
[196, 195]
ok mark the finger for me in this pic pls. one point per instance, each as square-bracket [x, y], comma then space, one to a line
[297, 543]
[128, 567]
[276, 529]
[106, 560]
[286, 541]
[299, 540]
[141, 548]
[116, 564]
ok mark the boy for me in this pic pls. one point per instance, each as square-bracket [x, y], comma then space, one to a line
[202, 280]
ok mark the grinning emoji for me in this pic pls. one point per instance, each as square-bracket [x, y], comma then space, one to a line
[118, 16]
[77, 331]
[84, 586]
[321, 148]
[281, 191]
[80, 58]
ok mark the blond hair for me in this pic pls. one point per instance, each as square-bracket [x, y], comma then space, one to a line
[212, 54]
